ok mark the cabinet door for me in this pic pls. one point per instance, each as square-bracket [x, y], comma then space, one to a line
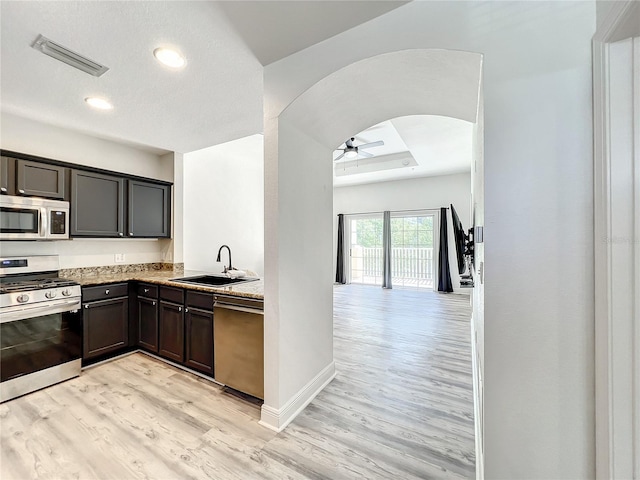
[7, 176]
[148, 323]
[97, 205]
[148, 209]
[40, 179]
[199, 340]
[105, 326]
[171, 331]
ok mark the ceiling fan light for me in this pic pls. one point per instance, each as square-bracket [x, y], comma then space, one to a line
[351, 154]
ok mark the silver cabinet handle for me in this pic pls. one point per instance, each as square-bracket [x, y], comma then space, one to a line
[153, 303]
[120, 234]
[3, 189]
[146, 290]
[21, 191]
[186, 310]
[179, 309]
[106, 292]
[86, 306]
[131, 234]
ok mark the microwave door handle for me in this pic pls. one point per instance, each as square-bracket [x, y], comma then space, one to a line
[43, 222]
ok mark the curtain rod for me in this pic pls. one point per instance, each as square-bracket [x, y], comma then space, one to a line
[396, 211]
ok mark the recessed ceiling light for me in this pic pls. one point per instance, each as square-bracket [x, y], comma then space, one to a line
[99, 103]
[169, 57]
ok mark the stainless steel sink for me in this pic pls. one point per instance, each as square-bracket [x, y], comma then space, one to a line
[214, 280]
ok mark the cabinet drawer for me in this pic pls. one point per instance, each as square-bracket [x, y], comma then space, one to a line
[104, 291]
[175, 295]
[147, 290]
[200, 300]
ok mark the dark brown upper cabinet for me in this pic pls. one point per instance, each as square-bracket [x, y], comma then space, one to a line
[97, 205]
[103, 204]
[40, 179]
[148, 209]
[7, 187]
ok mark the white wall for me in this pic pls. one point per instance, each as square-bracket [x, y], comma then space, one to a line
[224, 205]
[174, 250]
[298, 273]
[477, 321]
[539, 354]
[23, 135]
[27, 136]
[412, 194]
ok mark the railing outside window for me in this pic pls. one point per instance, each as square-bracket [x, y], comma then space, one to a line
[411, 266]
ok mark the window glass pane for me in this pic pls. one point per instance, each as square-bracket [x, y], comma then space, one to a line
[366, 250]
[412, 251]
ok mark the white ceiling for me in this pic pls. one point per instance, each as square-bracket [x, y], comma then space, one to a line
[274, 30]
[218, 96]
[415, 146]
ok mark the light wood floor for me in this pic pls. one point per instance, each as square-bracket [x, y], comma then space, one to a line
[400, 407]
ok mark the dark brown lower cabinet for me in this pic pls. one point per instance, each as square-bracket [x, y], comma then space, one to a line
[148, 323]
[199, 340]
[105, 326]
[171, 324]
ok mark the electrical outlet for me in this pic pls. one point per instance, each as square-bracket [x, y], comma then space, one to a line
[119, 258]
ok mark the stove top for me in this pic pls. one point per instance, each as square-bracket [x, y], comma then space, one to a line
[27, 281]
[33, 284]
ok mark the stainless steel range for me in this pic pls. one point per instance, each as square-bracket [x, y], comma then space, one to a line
[40, 325]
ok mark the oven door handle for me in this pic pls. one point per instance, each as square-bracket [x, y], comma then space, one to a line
[13, 314]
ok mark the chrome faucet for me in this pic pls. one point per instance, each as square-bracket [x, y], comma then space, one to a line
[218, 259]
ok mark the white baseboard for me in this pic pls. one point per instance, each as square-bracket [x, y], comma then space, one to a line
[277, 419]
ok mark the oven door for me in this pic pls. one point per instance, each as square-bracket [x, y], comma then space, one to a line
[22, 222]
[40, 337]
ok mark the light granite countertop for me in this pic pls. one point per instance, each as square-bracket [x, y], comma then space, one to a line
[253, 289]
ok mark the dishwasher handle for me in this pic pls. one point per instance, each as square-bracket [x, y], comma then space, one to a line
[236, 308]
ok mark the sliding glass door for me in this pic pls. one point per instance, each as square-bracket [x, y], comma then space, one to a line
[412, 250]
[365, 248]
[413, 263]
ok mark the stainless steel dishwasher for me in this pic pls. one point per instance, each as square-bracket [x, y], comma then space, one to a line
[238, 340]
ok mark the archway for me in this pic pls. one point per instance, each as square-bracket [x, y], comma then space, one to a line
[298, 201]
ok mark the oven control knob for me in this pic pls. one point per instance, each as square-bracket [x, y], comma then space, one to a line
[66, 292]
[24, 298]
[51, 294]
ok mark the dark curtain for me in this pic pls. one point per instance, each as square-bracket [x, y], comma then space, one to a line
[386, 250]
[340, 274]
[444, 275]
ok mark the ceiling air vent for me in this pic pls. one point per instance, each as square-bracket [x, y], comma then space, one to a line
[65, 55]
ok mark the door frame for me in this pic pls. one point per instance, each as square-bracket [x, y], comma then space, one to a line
[617, 284]
[347, 238]
[436, 238]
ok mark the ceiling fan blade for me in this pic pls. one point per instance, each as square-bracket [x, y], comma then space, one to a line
[365, 154]
[339, 157]
[372, 144]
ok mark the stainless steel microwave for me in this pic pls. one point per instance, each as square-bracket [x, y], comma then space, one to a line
[31, 218]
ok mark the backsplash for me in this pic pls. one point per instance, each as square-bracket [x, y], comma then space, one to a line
[113, 269]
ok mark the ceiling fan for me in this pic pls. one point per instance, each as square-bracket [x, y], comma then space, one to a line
[352, 151]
